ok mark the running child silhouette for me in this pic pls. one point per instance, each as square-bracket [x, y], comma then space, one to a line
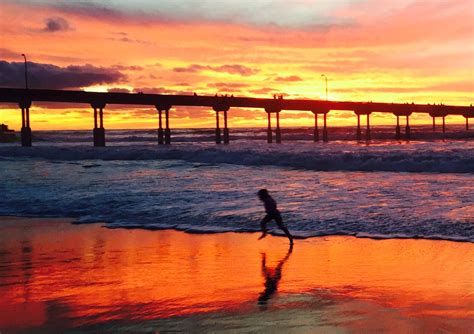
[272, 213]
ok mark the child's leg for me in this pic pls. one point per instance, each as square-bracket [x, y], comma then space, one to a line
[263, 223]
[263, 226]
[280, 224]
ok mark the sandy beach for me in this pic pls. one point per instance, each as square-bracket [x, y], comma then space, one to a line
[60, 277]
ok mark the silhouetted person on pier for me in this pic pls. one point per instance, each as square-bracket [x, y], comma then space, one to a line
[272, 278]
[272, 213]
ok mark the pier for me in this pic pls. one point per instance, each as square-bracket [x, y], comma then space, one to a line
[222, 105]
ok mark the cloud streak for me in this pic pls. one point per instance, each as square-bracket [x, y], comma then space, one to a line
[48, 76]
[291, 78]
[230, 69]
[279, 13]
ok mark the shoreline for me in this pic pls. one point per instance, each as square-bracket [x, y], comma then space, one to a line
[71, 220]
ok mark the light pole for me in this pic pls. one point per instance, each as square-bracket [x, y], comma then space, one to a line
[26, 72]
[326, 78]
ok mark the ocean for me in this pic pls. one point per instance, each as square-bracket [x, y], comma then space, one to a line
[379, 189]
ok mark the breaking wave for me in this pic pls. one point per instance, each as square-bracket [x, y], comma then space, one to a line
[419, 157]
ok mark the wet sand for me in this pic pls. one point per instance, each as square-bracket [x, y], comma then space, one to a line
[59, 277]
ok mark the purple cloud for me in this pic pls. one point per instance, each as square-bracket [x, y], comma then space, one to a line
[48, 76]
[54, 24]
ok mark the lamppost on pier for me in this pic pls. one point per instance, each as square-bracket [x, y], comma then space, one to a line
[326, 78]
[26, 71]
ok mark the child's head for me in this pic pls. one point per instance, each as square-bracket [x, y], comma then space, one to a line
[263, 193]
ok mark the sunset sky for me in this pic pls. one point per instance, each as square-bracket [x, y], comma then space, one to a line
[371, 50]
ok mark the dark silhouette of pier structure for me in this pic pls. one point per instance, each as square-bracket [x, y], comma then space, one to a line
[221, 105]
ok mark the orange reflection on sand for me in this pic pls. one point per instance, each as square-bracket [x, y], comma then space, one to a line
[88, 274]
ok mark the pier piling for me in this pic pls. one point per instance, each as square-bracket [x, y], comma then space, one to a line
[407, 129]
[325, 128]
[160, 127]
[269, 129]
[367, 134]
[218, 129]
[278, 131]
[359, 131]
[221, 107]
[434, 124]
[226, 129]
[99, 137]
[164, 135]
[101, 117]
[26, 136]
[316, 130]
[398, 132]
[444, 124]
[467, 123]
[99, 131]
[167, 129]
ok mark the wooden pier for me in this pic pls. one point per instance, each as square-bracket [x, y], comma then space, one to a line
[222, 105]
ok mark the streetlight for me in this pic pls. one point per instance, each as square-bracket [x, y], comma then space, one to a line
[325, 77]
[26, 72]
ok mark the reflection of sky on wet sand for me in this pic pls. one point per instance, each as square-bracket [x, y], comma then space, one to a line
[54, 276]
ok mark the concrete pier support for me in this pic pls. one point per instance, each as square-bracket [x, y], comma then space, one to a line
[367, 133]
[325, 128]
[161, 133]
[407, 129]
[434, 124]
[467, 123]
[218, 129]
[398, 132]
[26, 136]
[269, 129]
[359, 131]
[444, 124]
[278, 131]
[164, 135]
[99, 131]
[224, 108]
[167, 128]
[226, 129]
[316, 130]
[274, 107]
[99, 137]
